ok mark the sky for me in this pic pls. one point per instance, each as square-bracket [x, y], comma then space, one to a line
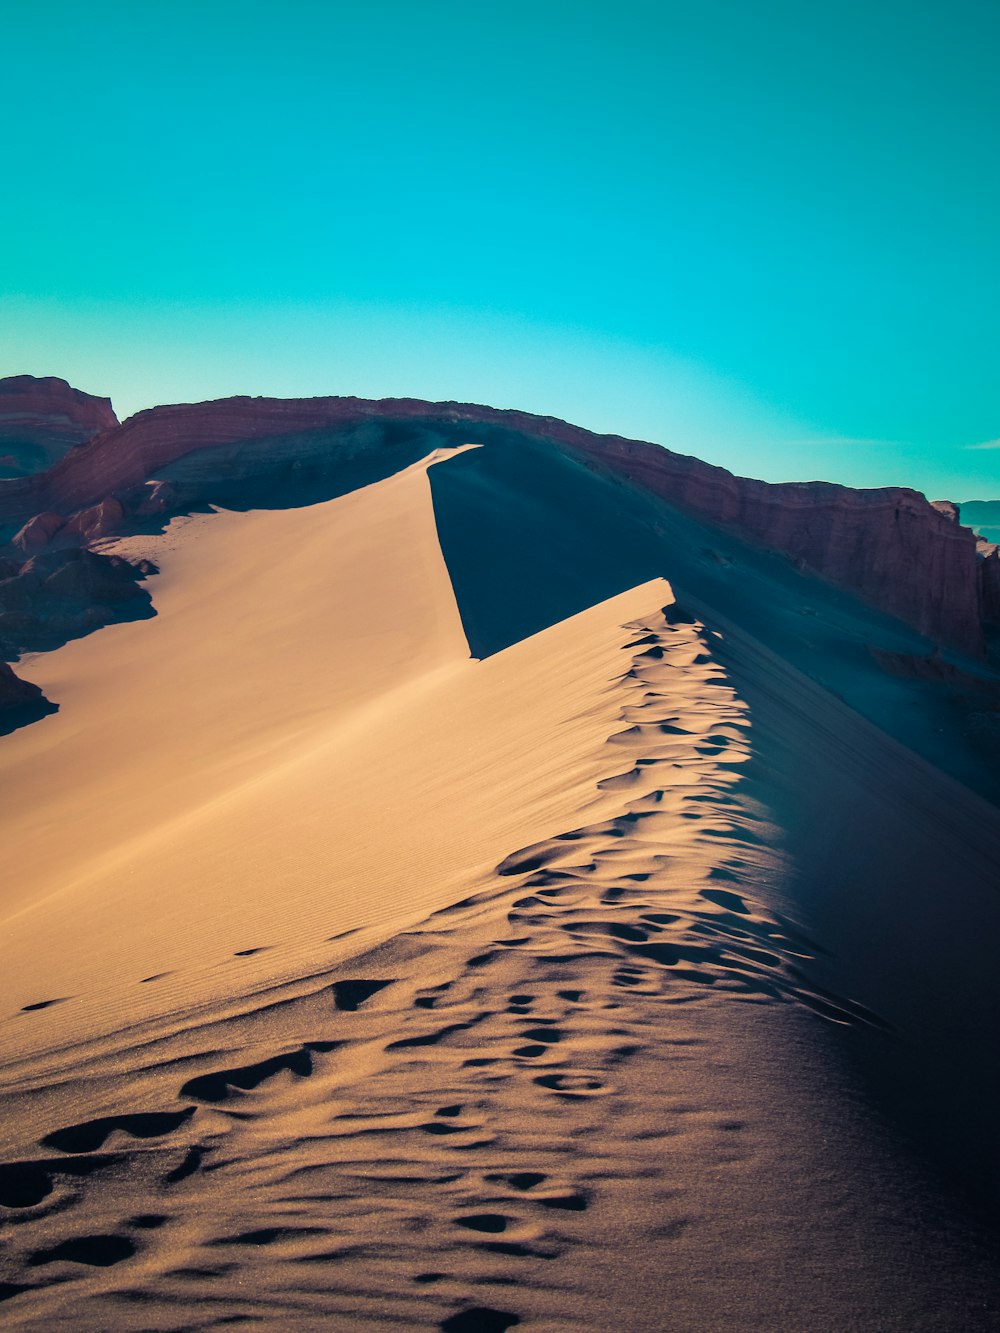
[762, 232]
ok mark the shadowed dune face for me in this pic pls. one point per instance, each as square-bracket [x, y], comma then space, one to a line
[531, 537]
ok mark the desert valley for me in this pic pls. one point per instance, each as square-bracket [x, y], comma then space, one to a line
[463, 872]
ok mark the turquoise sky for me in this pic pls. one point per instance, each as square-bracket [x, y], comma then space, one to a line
[762, 232]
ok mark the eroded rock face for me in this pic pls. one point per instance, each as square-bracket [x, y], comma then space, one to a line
[38, 532]
[41, 419]
[949, 509]
[157, 497]
[889, 546]
[97, 521]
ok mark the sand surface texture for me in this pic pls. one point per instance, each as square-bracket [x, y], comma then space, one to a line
[623, 979]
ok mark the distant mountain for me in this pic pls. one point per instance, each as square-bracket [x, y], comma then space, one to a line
[983, 517]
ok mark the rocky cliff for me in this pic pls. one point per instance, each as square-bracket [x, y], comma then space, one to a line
[889, 546]
[41, 419]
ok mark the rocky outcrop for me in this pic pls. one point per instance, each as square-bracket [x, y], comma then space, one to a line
[889, 546]
[97, 521]
[949, 509]
[80, 528]
[41, 419]
[63, 594]
[38, 532]
[158, 497]
[14, 691]
[20, 701]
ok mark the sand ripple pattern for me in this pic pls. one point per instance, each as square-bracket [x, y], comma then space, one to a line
[447, 1134]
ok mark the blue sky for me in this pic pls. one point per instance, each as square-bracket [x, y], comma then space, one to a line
[765, 233]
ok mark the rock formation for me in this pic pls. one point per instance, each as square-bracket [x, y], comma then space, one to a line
[20, 701]
[13, 690]
[63, 594]
[38, 532]
[889, 546]
[40, 419]
[97, 521]
[951, 511]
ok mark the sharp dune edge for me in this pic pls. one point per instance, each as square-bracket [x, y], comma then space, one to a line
[627, 978]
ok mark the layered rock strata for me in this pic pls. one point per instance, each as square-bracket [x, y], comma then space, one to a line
[41, 419]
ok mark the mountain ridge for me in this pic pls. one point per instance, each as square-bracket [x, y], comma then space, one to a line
[889, 546]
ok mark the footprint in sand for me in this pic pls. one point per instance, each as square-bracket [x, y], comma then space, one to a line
[351, 995]
[44, 1004]
[479, 1319]
[90, 1134]
[573, 1085]
[96, 1251]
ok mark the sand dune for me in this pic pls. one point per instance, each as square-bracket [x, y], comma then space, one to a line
[608, 982]
[318, 754]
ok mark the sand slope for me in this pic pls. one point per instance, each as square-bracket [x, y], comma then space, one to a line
[643, 916]
[318, 754]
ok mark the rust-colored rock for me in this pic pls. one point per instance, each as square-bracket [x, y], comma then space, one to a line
[41, 419]
[38, 532]
[890, 546]
[97, 521]
[158, 497]
[949, 509]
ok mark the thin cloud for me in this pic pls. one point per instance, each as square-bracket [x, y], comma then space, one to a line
[986, 444]
[837, 441]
